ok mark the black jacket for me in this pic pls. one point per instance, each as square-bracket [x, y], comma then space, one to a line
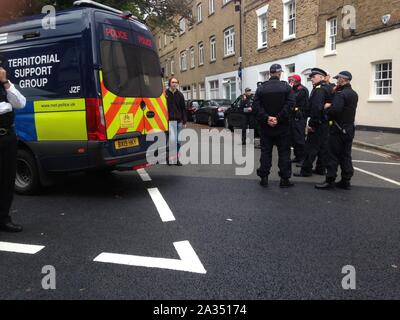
[248, 103]
[320, 95]
[274, 98]
[176, 106]
[344, 106]
[301, 95]
[7, 119]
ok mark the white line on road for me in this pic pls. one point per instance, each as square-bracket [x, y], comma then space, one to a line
[161, 205]
[377, 153]
[378, 176]
[144, 175]
[377, 162]
[20, 248]
[189, 261]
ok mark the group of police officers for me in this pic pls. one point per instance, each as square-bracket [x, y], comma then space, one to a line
[319, 126]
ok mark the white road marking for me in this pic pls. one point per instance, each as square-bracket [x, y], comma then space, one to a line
[377, 162]
[20, 248]
[161, 205]
[188, 262]
[144, 175]
[378, 176]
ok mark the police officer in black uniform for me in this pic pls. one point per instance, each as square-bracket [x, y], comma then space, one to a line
[318, 128]
[273, 102]
[248, 114]
[10, 99]
[341, 113]
[298, 118]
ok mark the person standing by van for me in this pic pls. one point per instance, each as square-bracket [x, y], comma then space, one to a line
[177, 117]
[10, 99]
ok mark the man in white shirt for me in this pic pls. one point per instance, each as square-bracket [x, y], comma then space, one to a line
[10, 99]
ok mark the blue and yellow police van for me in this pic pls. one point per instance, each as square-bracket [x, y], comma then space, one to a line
[94, 90]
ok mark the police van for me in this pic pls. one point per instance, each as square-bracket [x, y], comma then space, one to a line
[94, 90]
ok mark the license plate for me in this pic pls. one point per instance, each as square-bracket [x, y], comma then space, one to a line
[127, 143]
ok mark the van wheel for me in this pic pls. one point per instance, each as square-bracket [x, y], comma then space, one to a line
[27, 181]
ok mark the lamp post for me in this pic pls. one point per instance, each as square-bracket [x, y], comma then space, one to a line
[238, 8]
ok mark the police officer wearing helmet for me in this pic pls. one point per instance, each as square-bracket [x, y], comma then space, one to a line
[273, 102]
[10, 99]
[341, 113]
[298, 117]
[318, 129]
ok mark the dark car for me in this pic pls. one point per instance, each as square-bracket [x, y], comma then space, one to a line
[191, 107]
[234, 116]
[212, 112]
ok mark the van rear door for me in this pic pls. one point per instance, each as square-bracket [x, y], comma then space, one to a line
[130, 78]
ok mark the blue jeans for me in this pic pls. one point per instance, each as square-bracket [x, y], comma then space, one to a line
[174, 144]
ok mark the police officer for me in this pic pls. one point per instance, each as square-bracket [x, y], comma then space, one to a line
[341, 113]
[298, 117]
[318, 129]
[248, 116]
[273, 102]
[10, 99]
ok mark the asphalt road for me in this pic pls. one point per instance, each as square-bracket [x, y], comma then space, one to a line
[253, 243]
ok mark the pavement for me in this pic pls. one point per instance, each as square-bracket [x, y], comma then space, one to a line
[382, 141]
[203, 232]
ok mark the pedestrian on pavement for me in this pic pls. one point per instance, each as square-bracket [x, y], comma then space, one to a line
[10, 99]
[273, 102]
[318, 128]
[248, 116]
[177, 118]
[341, 114]
[298, 117]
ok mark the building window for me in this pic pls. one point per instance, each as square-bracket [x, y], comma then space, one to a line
[194, 89]
[289, 19]
[211, 6]
[186, 91]
[230, 89]
[262, 27]
[182, 26]
[192, 58]
[172, 66]
[199, 13]
[229, 42]
[383, 78]
[331, 35]
[214, 89]
[291, 69]
[225, 2]
[213, 49]
[202, 91]
[201, 54]
[264, 76]
[183, 61]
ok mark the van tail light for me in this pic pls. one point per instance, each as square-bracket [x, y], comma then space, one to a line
[95, 122]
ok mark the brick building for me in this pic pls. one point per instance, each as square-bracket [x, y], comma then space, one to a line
[204, 56]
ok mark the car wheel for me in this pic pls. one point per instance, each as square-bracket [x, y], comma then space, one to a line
[27, 181]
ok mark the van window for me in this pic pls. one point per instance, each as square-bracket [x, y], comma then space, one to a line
[130, 71]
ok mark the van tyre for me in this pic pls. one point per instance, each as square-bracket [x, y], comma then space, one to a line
[27, 180]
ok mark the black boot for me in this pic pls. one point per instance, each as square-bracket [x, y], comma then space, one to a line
[10, 227]
[286, 183]
[344, 184]
[264, 182]
[329, 184]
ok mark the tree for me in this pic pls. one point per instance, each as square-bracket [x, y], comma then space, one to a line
[157, 13]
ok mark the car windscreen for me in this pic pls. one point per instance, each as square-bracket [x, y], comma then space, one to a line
[130, 71]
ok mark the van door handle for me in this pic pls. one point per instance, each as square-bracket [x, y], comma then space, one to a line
[150, 114]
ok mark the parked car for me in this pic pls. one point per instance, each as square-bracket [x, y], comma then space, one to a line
[212, 112]
[191, 107]
[234, 117]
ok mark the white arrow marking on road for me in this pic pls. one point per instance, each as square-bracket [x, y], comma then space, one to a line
[161, 205]
[378, 176]
[20, 248]
[189, 261]
[144, 175]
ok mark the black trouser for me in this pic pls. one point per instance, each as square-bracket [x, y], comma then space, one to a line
[340, 147]
[316, 145]
[298, 137]
[283, 144]
[8, 155]
[248, 122]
